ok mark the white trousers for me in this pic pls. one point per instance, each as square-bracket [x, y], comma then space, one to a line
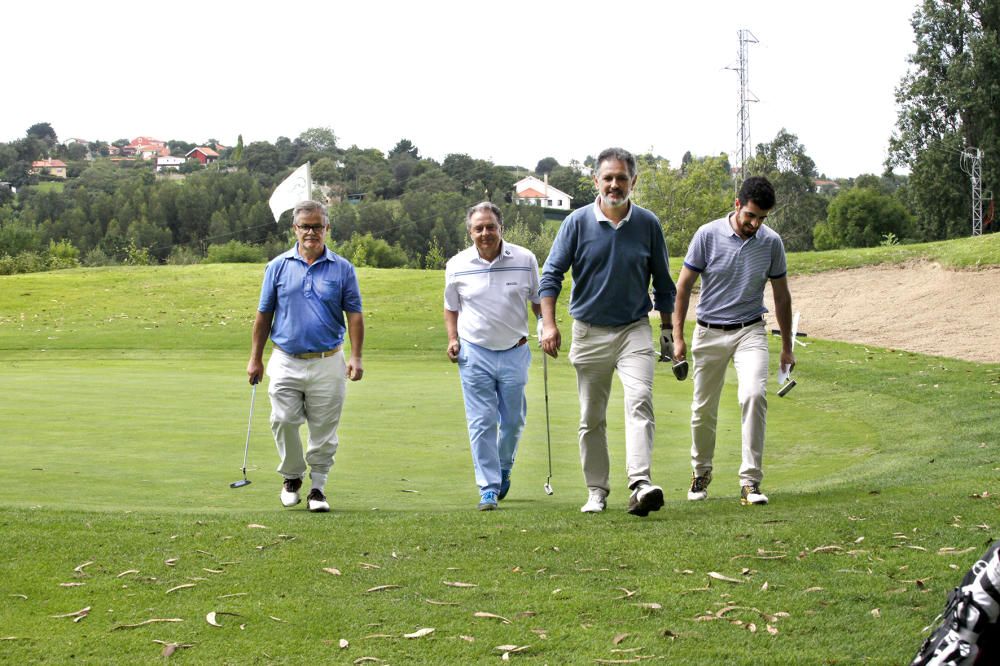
[306, 391]
[711, 350]
[596, 353]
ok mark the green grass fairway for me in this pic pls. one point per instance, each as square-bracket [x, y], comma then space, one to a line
[123, 415]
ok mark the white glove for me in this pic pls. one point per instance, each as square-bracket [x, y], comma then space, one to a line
[666, 344]
[538, 331]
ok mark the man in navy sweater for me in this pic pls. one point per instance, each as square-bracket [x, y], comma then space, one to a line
[614, 249]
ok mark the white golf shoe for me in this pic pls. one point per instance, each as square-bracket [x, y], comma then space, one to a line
[317, 501]
[595, 503]
[751, 495]
[699, 487]
[290, 492]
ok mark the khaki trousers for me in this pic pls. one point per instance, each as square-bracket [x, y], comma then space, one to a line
[711, 350]
[596, 353]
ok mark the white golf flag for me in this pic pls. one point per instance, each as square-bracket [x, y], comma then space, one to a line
[297, 187]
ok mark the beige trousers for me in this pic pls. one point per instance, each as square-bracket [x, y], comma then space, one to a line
[596, 353]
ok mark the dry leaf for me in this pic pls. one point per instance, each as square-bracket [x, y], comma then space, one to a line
[255, 526]
[71, 584]
[277, 619]
[752, 628]
[420, 633]
[180, 587]
[459, 584]
[505, 648]
[827, 549]
[170, 648]
[493, 616]
[365, 660]
[876, 612]
[19, 596]
[628, 593]
[382, 588]
[79, 569]
[763, 588]
[145, 622]
[234, 594]
[650, 606]
[76, 615]
[617, 661]
[332, 570]
[441, 603]
[343, 644]
[859, 539]
[215, 571]
[210, 618]
[171, 562]
[618, 639]
[126, 573]
[772, 630]
[717, 576]
[368, 565]
[813, 589]
[468, 639]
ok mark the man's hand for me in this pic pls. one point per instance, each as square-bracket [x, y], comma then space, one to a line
[354, 368]
[255, 370]
[787, 361]
[551, 340]
[453, 347]
[666, 344]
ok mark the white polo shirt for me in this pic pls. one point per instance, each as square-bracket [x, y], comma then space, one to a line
[490, 296]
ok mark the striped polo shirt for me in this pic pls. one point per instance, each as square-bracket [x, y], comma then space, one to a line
[491, 297]
[734, 271]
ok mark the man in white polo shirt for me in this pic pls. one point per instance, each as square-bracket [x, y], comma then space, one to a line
[486, 288]
[735, 257]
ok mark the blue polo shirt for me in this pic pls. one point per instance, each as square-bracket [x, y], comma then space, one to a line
[309, 302]
[734, 271]
[612, 267]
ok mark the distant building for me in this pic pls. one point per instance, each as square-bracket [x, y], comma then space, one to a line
[151, 150]
[531, 191]
[826, 186]
[54, 168]
[203, 154]
[165, 162]
[147, 141]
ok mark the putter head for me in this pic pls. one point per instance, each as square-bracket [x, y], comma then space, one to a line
[240, 483]
[680, 370]
[786, 389]
[548, 488]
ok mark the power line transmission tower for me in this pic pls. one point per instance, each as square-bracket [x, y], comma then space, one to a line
[745, 150]
[972, 164]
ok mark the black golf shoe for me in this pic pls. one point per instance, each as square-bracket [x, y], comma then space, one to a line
[644, 499]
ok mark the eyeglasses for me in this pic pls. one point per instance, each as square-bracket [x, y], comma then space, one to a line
[310, 228]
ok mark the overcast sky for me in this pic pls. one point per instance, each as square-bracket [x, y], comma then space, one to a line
[507, 81]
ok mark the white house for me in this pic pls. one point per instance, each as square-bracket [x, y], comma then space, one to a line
[531, 191]
[169, 162]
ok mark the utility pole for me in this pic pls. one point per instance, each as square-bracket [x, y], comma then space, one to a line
[972, 164]
[745, 149]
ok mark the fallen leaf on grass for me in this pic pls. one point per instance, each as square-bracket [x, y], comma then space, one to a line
[370, 636]
[492, 616]
[420, 633]
[71, 584]
[126, 573]
[213, 571]
[954, 551]
[827, 549]
[468, 639]
[619, 638]
[19, 596]
[772, 630]
[368, 565]
[255, 526]
[180, 587]
[79, 569]
[763, 588]
[441, 603]
[367, 660]
[628, 593]
[876, 612]
[76, 615]
[234, 594]
[277, 619]
[650, 606]
[717, 576]
[343, 644]
[211, 617]
[332, 571]
[542, 633]
[618, 661]
[145, 622]
[382, 588]
[813, 589]
[459, 584]
[170, 648]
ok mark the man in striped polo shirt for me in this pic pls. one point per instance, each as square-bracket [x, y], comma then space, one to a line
[735, 257]
[615, 250]
[486, 288]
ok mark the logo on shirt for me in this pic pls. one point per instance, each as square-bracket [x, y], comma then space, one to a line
[510, 284]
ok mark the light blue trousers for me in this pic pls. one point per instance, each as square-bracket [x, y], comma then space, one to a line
[495, 407]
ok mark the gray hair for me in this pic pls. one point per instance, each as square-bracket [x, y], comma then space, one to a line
[619, 154]
[308, 207]
[484, 207]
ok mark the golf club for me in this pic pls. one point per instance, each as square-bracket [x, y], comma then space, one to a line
[246, 448]
[548, 435]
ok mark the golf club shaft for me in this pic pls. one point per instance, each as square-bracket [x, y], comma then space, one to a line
[246, 447]
[548, 435]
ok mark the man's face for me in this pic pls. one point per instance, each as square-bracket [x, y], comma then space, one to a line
[310, 232]
[485, 232]
[614, 183]
[748, 218]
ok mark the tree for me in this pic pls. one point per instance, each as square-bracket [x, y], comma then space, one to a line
[405, 147]
[238, 151]
[262, 157]
[320, 139]
[949, 101]
[44, 132]
[792, 172]
[546, 165]
[861, 217]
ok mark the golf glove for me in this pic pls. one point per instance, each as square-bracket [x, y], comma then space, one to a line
[538, 331]
[666, 344]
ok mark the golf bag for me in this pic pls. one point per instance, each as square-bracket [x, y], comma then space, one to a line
[968, 632]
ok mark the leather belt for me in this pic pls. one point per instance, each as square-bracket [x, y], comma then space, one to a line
[308, 355]
[520, 343]
[730, 327]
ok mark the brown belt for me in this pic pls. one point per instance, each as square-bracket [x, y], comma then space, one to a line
[308, 355]
[521, 342]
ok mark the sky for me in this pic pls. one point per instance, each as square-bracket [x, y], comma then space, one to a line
[511, 82]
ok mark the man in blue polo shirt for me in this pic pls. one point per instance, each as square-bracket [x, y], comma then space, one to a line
[614, 249]
[305, 293]
[486, 288]
[735, 256]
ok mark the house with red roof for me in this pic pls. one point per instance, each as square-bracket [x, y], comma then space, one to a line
[531, 191]
[203, 154]
[54, 168]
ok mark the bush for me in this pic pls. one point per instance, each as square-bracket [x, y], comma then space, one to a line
[24, 262]
[98, 257]
[183, 255]
[234, 252]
